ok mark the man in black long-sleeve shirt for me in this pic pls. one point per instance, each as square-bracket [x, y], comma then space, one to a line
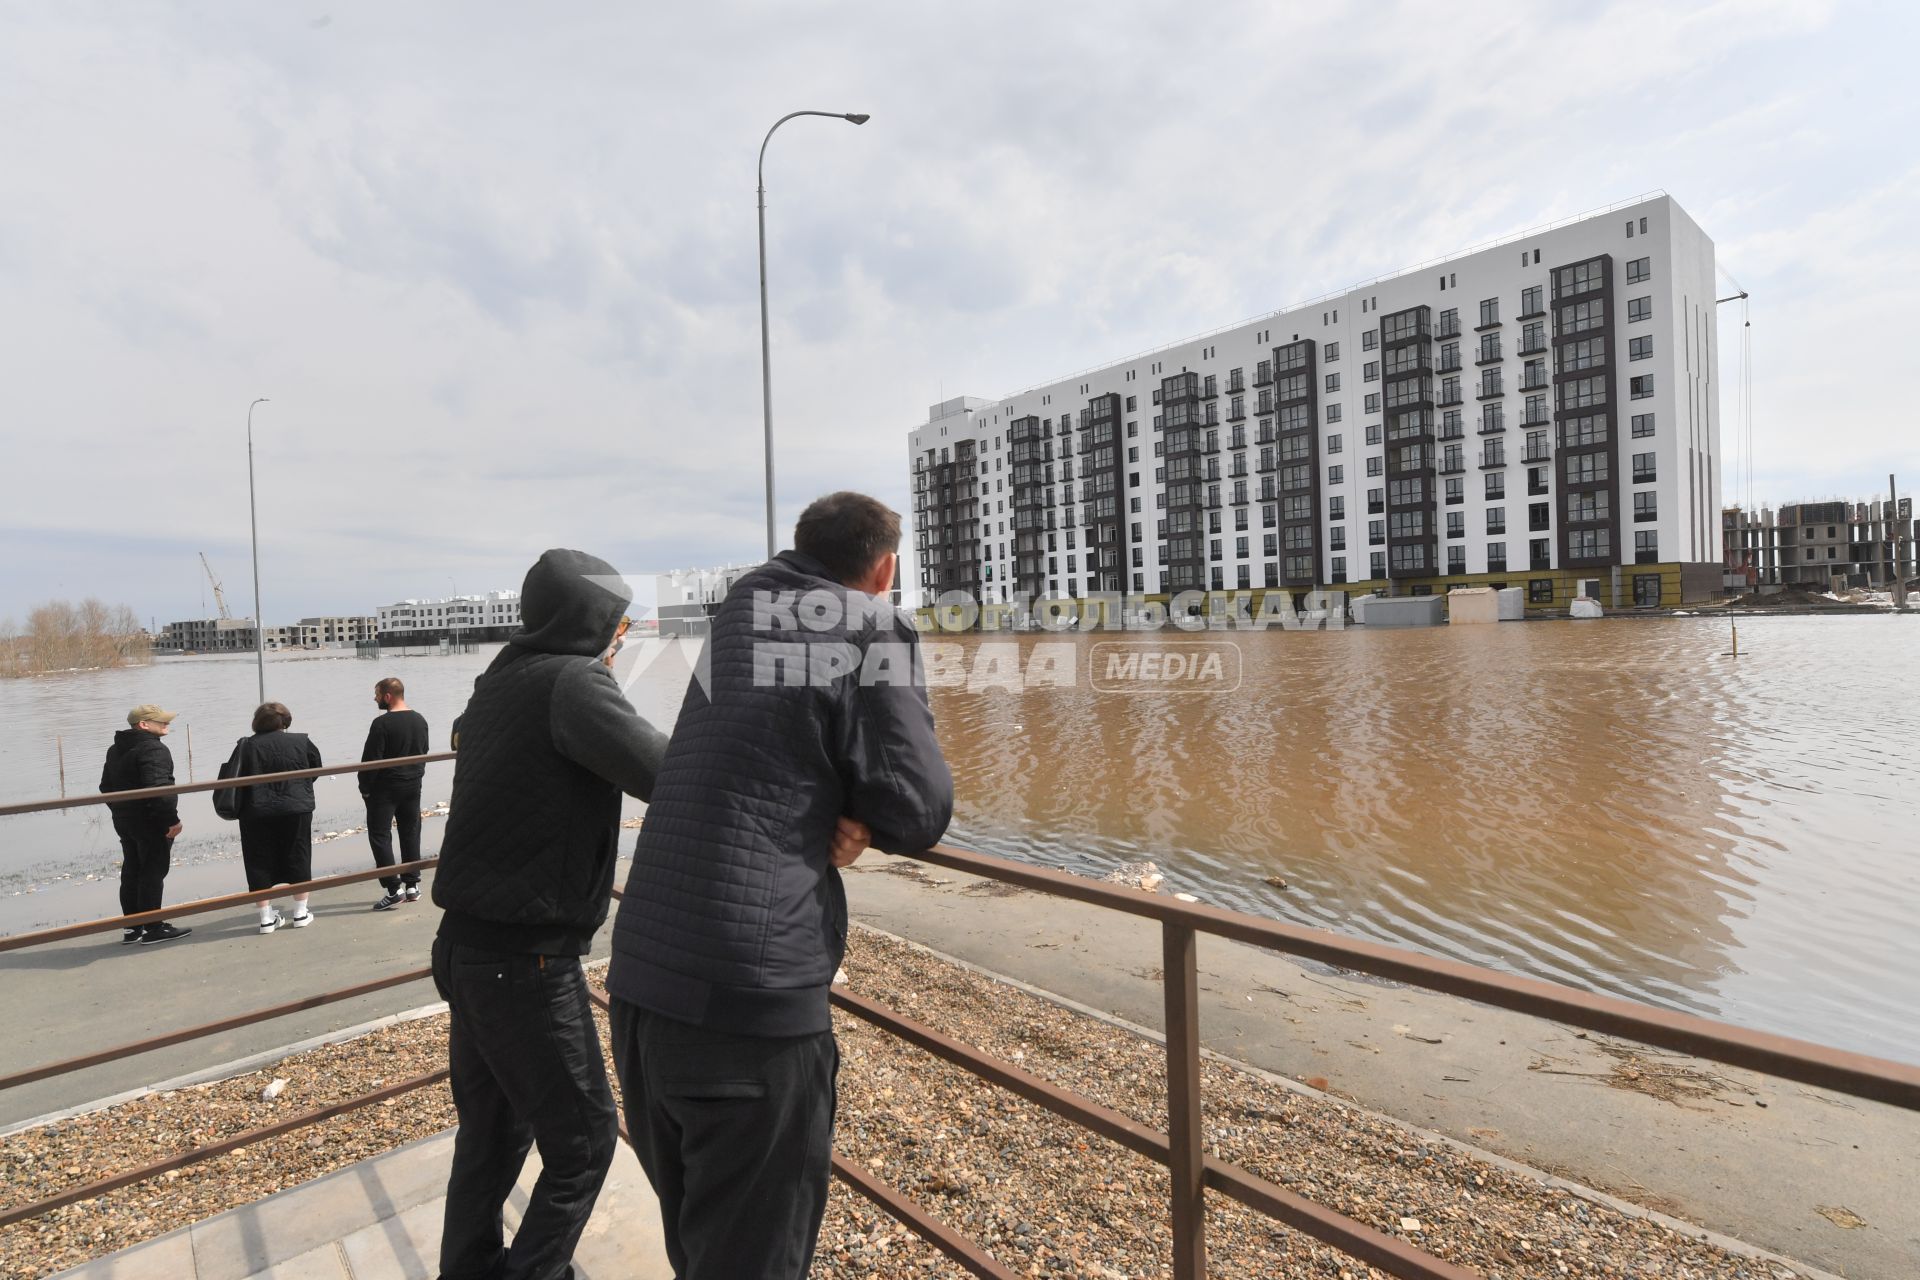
[393, 795]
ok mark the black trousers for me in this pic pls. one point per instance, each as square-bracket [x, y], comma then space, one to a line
[146, 854]
[527, 1070]
[736, 1135]
[385, 811]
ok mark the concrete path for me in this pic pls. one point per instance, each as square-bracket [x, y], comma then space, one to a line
[381, 1218]
[69, 998]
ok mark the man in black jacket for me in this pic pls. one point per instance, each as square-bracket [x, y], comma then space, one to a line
[813, 710]
[547, 745]
[147, 828]
[392, 796]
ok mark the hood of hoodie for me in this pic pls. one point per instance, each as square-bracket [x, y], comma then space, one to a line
[131, 739]
[571, 603]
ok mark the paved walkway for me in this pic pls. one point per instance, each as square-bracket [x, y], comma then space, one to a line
[380, 1220]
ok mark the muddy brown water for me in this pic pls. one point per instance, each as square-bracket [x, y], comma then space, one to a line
[1614, 805]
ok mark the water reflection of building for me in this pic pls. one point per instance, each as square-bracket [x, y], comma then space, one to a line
[1566, 810]
[1534, 413]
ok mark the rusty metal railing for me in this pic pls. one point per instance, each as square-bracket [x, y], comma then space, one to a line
[101, 1186]
[1191, 1172]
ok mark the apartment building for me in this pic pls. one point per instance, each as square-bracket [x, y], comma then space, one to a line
[1540, 412]
[687, 599]
[492, 616]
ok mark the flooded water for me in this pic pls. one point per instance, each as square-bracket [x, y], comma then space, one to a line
[1614, 805]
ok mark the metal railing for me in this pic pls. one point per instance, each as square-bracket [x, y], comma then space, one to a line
[1192, 1173]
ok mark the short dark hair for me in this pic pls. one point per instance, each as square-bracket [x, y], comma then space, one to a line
[847, 533]
[270, 716]
[390, 688]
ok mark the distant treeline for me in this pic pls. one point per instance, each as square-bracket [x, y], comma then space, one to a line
[61, 636]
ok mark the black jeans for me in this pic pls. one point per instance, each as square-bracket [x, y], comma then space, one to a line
[736, 1135]
[527, 1070]
[146, 853]
[385, 811]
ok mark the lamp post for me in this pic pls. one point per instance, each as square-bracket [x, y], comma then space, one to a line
[253, 522]
[766, 363]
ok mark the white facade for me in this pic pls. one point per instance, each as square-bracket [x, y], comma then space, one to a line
[1660, 384]
[479, 617]
[687, 598]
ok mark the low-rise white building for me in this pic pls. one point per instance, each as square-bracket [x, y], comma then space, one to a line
[687, 598]
[492, 616]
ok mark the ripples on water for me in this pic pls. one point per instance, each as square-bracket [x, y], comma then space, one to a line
[1616, 806]
[1613, 805]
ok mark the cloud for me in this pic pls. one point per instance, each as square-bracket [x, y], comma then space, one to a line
[497, 270]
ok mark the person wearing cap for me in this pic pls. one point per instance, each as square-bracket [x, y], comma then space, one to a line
[136, 761]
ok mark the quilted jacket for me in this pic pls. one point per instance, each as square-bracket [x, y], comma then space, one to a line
[138, 760]
[278, 752]
[734, 918]
[547, 745]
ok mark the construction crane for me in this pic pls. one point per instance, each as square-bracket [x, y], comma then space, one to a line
[219, 596]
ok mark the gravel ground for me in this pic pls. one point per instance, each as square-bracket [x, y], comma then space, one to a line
[1045, 1197]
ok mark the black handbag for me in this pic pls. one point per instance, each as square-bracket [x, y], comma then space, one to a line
[231, 802]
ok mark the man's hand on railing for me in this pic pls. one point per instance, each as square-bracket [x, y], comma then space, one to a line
[850, 839]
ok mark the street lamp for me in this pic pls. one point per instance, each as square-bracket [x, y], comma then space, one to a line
[766, 363]
[253, 522]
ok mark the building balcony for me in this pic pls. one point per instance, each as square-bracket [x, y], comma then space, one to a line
[1447, 329]
[1536, 490]
[1453, 467]
[1488, 461]
[1238, 415]
[1538, 382]
[1489, 393]
[1236, 386]
[1491, 429]
[1488, 357]
[1263, 380]
[1536, 420]
[1536, 453]
[1448, 399]
[1448, 366]
[1534, 349]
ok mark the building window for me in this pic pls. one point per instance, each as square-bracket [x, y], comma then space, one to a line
[1540, 590]
[1642, 425]
[1640, 348]
[1496, 519]
[1373, 402]
[1456, 524]
[1336, 475]
[1490, 311]
[1333, 413]
[1336, 508]
[1646, 506]
[1373, 465]
[1643, 387]
[1334, 444]
[1532, 301]
[1643, 468]
[1456, 490]
[1370, 371]
[1638, 270]
[1590, 544]
[1496, 484]
[1646, 547]
[1332, 352]
[1646, 590]
[1333, 383]
[1639, 309]
[1370, 341]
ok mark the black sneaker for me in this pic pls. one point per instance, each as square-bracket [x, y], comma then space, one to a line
[131, 935]
[388, 901]
[162, 932]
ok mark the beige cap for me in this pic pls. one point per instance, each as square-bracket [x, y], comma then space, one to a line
[150, 714]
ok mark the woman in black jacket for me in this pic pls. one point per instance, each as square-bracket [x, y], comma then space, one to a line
[276, 823]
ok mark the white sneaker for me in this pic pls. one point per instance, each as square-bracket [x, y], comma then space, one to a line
[301, 921]
[411, 892]
[268, 926]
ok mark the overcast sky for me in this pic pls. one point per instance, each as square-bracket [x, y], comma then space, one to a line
[494, 264]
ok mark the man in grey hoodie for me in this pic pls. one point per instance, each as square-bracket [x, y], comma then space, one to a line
[548, 744]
